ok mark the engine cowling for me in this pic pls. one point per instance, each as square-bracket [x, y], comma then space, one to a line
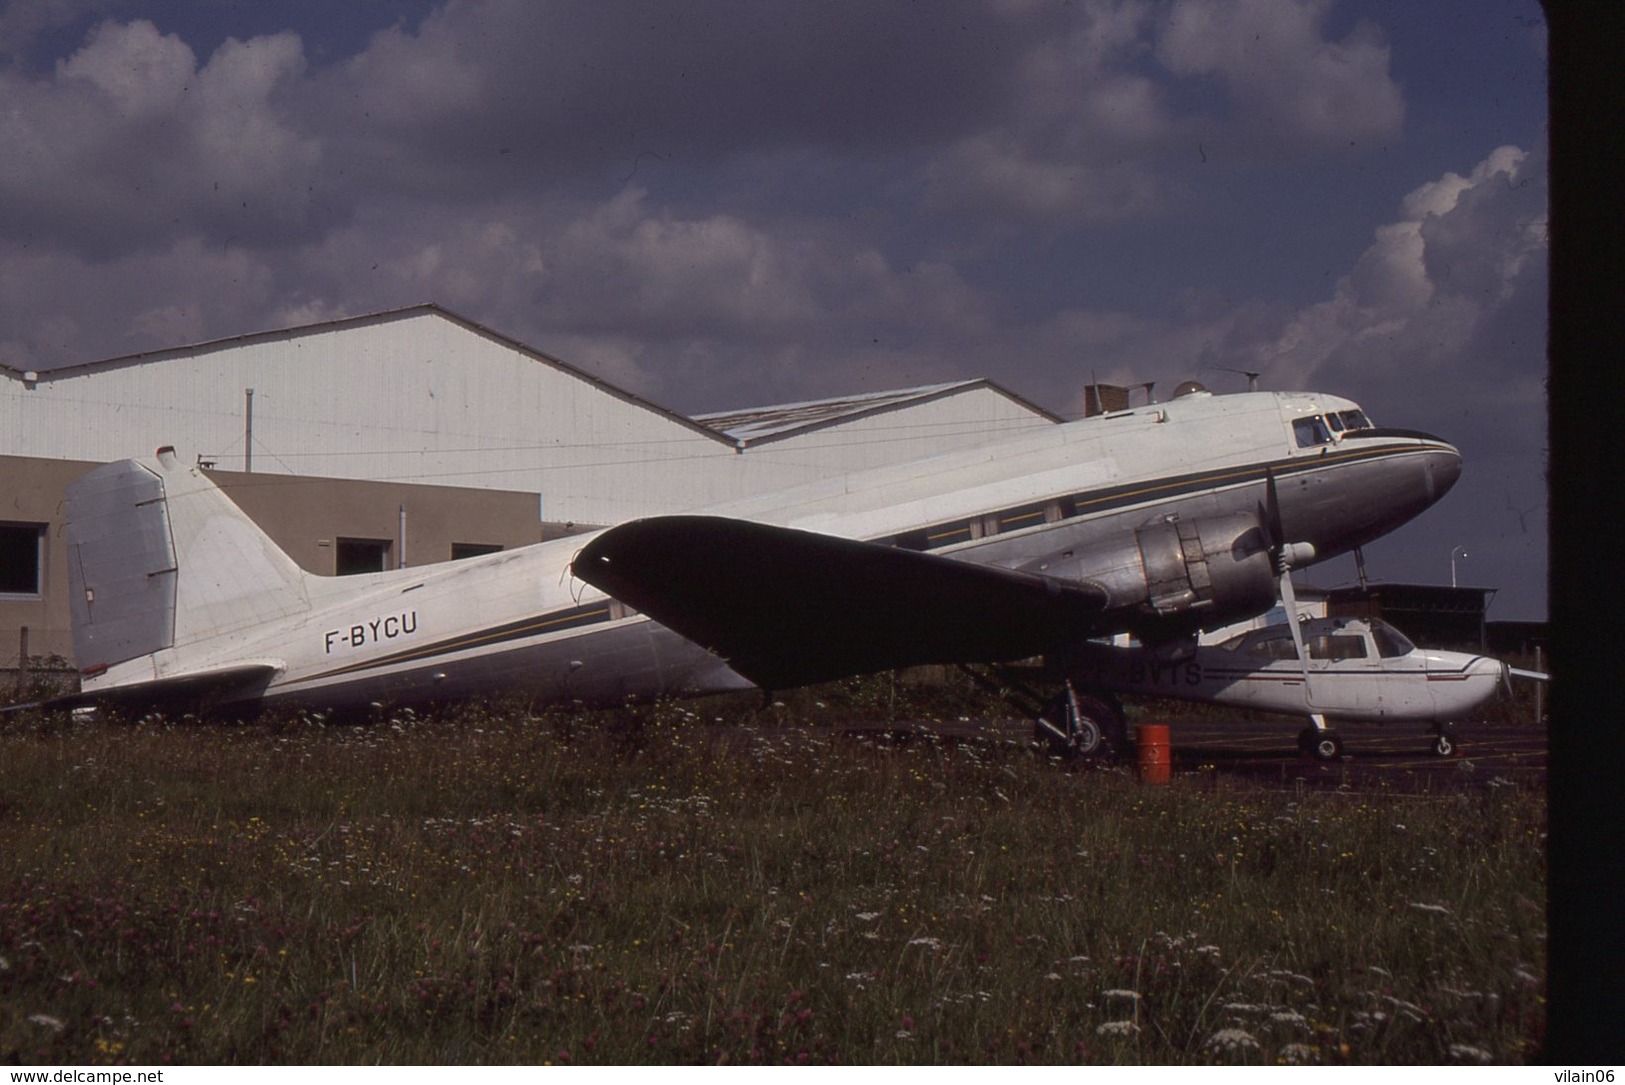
[1173, 576]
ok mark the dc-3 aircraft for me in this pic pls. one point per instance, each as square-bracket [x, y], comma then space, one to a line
[1160, 521]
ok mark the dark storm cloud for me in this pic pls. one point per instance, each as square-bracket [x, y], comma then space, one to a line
[513, 96]
[131, 143]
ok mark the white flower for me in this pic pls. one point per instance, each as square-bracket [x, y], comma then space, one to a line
[1297, 1054]
[1232, 1039]
[1117, 1028]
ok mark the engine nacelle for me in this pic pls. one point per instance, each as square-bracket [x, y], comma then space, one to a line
[1175, 576]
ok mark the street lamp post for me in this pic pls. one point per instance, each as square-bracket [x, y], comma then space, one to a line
[1462, 550]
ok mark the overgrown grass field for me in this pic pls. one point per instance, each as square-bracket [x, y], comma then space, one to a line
[699, 884]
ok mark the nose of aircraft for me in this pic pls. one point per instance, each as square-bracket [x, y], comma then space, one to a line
[1443, 466]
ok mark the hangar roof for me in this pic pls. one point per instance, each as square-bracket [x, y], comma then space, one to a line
[385, 317]
[758, 425]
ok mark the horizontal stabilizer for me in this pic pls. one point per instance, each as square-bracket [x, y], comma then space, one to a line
[788, 608]
[197, 690]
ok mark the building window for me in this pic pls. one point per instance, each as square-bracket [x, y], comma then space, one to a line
[459, 551]
[22, 560]
[353, 556]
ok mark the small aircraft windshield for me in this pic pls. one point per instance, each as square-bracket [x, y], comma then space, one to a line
[1391, 643]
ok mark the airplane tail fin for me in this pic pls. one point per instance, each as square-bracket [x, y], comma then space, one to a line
[159, 558]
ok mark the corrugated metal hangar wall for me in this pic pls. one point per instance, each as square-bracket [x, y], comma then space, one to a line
[422, 403]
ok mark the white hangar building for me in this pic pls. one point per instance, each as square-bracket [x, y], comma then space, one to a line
[414, 436]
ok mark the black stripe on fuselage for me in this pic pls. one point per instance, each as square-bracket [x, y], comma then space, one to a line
[523, 629]
[1130, 494]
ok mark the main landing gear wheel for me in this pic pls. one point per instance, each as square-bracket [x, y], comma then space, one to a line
[1321, 745]
[1445, 742]
[1077, 725]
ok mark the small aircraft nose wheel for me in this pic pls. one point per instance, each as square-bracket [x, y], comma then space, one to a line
[1077, 725]
[1321, 745]
[1445, 742]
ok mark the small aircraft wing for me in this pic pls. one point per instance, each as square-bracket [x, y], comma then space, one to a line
[788, 608]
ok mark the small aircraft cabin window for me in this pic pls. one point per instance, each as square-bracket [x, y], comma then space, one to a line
[1267, 645]
[1311, 432]
[1391, 643]
[1337, 646]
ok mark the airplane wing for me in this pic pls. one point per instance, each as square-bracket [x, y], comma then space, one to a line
[788, 608]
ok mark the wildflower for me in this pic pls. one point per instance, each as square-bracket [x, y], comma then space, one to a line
[45, 1020]
[1118, 992]
[1117, 1028]
[1297, 1054]
[1232, 1039]
[1466, 1052]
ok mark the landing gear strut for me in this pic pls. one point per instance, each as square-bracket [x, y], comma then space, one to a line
[1078, 725]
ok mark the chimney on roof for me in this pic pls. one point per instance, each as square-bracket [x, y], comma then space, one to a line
[1101, 398]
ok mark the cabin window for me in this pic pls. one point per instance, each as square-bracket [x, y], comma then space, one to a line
[22, 560]
[1276, 646]
[1337, 646]
[1026, 516]
[1311, 432]
[351, 556]
[459, 551]
[948, 535]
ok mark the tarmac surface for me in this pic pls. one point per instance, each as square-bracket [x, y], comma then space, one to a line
[1393, 756]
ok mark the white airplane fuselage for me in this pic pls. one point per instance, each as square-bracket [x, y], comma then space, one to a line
[1058, 502]
[1357, 670]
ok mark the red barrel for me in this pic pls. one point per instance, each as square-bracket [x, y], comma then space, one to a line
[1155, 754]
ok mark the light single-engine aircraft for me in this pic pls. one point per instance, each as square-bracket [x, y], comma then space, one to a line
[1160, 520]
[1355, 669]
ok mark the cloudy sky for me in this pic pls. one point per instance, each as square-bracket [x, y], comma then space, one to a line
[724, 203]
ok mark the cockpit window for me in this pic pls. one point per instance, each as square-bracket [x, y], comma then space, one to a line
[1391, 643]
[1342, 421]
[1311, 432]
